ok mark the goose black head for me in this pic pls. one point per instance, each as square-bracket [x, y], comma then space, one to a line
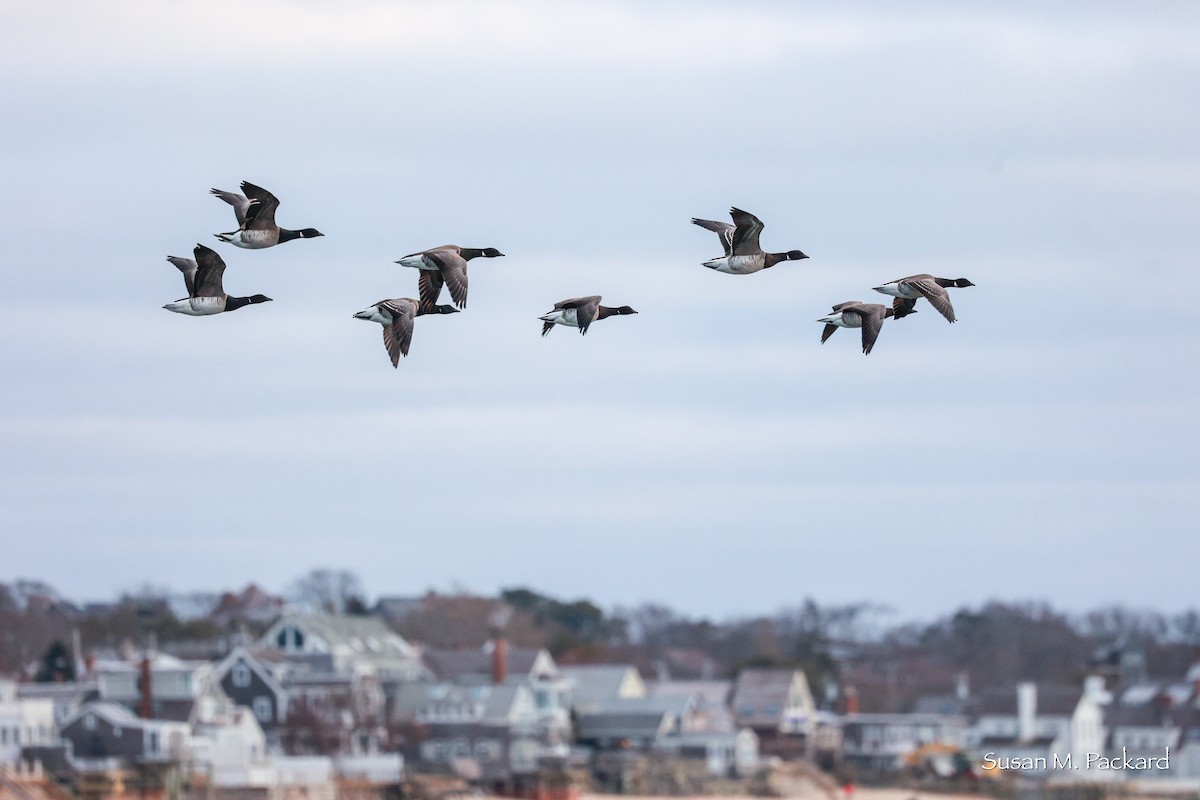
[310, 233]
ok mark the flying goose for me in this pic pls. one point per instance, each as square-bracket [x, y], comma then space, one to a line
[853, 314]
[908, 290]
[203, 279]
[396, 316]
[255, 211]
[743, 254]
[445, 265]
[579, 312]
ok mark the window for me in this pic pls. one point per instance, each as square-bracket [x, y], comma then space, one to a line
[241, 675]
[152, 742]
[290, 638]
[262, 708]
[89, 722]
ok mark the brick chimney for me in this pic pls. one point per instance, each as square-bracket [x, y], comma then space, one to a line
[146, 689]
[850, 700]
[499, 660]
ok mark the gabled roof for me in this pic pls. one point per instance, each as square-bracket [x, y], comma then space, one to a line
[259, 660]
[710, 693]
[760, 695]
[645, 724]
[677, 706]
[593, 684]
[474, 665]
[1052, 701]
[485, 703]
[367, 636]
[116, 714]
[113, 712]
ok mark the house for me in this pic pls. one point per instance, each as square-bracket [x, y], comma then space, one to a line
[636, 727]
[1026, 728]
[231, 751]
[332, 713]
[493, 728]
[1148, 731]
[254, 679]
[251, 605]
[593, 685]
[636, 723]
[888, 742]
[497, 663]
[778, 706]
[65, 697]
[354, 644]
[725, 754]
[304, 705]
[24, 722]
[1151, 718]
[182, 691]
[489, 664]
[105, 730]
[711, 711]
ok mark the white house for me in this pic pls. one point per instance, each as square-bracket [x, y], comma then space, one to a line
[1030, 729]
[355, 645]
[24, 722]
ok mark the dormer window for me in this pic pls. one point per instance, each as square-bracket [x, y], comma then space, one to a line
[290, 638]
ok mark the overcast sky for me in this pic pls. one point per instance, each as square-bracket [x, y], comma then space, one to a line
[708, 453]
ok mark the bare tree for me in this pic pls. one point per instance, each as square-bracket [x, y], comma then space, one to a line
[331, 591]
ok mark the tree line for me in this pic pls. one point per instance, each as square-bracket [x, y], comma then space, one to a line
[889, 664]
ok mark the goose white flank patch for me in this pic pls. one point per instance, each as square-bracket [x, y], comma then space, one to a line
[396, 316]
[579, 312]
[908, 290]
[853, 314]
[445, 265]
[203, 278]
[743, 254]
[255, 212]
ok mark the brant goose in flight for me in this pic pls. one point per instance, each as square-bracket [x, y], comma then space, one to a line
[908, 290]
[255, 213]
[579, 312]
[743, 254]
[396, 316]
[853, 314]
[445, 265]
[203, 279]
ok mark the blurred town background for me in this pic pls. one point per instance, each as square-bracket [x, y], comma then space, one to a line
[325, 694]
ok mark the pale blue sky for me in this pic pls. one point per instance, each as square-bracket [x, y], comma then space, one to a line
[707, 453]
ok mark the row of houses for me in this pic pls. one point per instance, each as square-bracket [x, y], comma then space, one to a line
[1141, 731]
[320, 698]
